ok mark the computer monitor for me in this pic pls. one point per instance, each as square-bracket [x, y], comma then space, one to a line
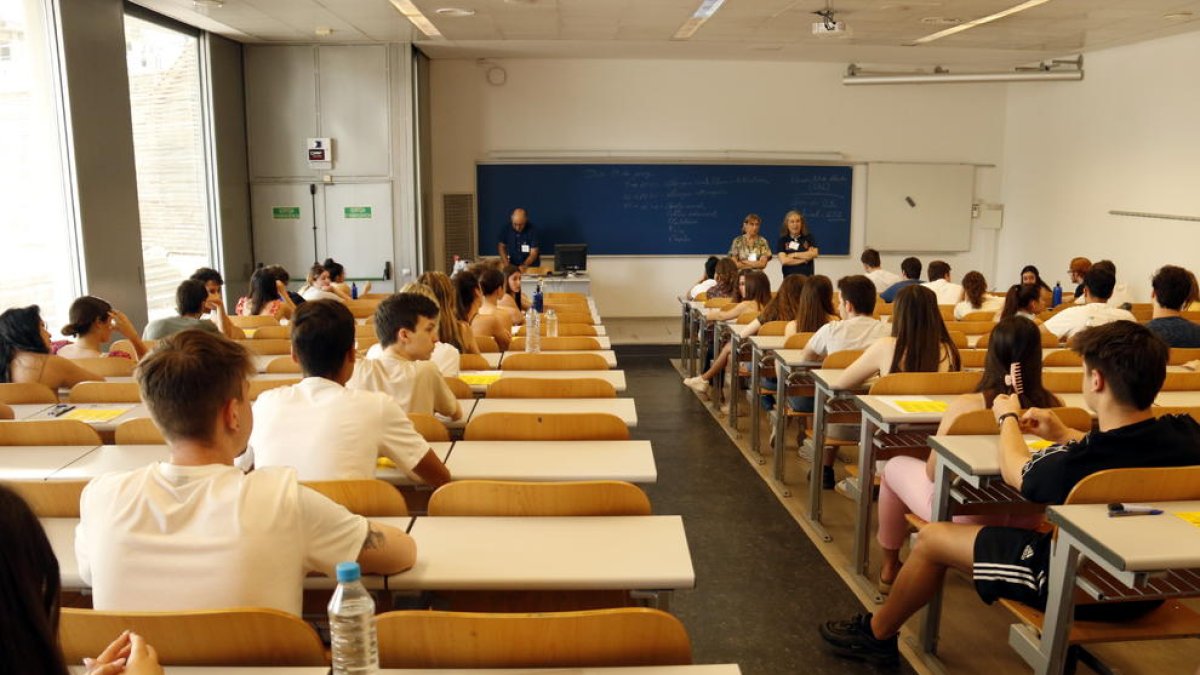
[570, 257]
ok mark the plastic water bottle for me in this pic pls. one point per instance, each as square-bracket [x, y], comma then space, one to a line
[1056, 300]
[352, 624]
[353, 291]
[533, 331]
[537, 297]
[551, 323]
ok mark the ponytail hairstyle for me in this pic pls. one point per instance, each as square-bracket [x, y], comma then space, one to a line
[1018, 299]
[975, 287]
[816, 304]
[337, 271]
[1016, 340]
[920, 332]
[84, 314]
[262, 287]
[466, 285]
[20, 331]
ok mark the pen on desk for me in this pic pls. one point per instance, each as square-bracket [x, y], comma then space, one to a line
[1118, 510]
[62, 410]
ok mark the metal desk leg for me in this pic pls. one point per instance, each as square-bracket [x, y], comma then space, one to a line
[930, 625]
[716, 387]
[862, 523]
[702, 346]
[1048, 654]
[731, 369]
[755, 408]
[683, 337]
[820, 400]
[783, 373]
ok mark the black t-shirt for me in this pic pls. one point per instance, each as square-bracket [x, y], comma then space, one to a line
[1171, 440]
[1176, 331]
[789, 244]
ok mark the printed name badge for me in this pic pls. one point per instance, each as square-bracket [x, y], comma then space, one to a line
[752, 257]
[524, 248]
[793, 246]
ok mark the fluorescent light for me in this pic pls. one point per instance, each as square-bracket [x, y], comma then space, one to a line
[1029, 4]
[957, 78]
[410, 12]
[703, 13]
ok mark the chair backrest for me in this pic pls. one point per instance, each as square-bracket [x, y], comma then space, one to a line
[487, 344]
[6, 413]
[561, 343]
[773, 328]
[18, 393]
[546, 427]
[842, 359]
[983, 422]
[797, 341]
[258, 385]
[365, 497]
[565, 316]
[272, 333]
[459, 388]
[927, 383]
[882, 308]
[220, 637]
[429, 427]
[1048, 340]
[947, 312]
[1160, 410]
[47, 432]
[138, 431]
[283, 364]
[363, 308]
[1181, 382]
[107, 366]
[49, 498]
[719, 303]
[540, 361]
[541, 387]
[564, 295]
[979, 316]
[972, 358]
[971, 327]
[365, 330]
[472, 362]
[1142, 311]
[254, 321]
[570, 330]
[105, 392]
[126, 346]
[1181, 355]
[1063, 382]
[267, 347]
[512, 498]
[627, 636]
[1062, 357]
[1158, 484]
[959, 339]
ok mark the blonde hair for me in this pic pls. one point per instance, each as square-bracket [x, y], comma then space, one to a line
[450, 330]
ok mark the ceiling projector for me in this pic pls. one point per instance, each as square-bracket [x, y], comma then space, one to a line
[829, 27]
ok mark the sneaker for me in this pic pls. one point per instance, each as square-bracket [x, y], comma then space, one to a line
[806, 450]
[848, 488]
[772, 416]
[852, 639]
[697, 384]
[827, 478]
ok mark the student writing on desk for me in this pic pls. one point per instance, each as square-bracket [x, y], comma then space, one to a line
[519, 242]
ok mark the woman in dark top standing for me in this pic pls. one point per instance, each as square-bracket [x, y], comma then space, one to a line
[797, 248]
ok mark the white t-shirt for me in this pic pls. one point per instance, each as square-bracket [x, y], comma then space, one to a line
[314, 293]
[168, 537]
[990, 304]
[947, 293]
[328, 432]
[857, 332]
[445, 357]
[1074, 319]
[882, 279]
[701, 287]
[416, 385]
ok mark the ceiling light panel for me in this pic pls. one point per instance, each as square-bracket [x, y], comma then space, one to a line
[703, 13]
[973, 23]
[419, 20]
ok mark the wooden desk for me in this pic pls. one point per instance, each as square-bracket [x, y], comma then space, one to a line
[601, 331]
[788, 364]
[621, 407]
[708, 669]
[614, 377]
[39, 462]
[631, 461]
[609, 356]
[760, 346]
[468, 407]
[109, 458]
[23, 411]
[107, 428]
[396, 476]
[546, 554]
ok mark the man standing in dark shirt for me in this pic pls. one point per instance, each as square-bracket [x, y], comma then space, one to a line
[1124, 367]
[1172, 289]
[519, 242]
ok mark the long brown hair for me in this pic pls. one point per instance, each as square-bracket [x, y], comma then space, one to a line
[783, 306]
[920, 332]
[974, 286]
[726, 275]
[450, 330]
[758, 289]
[816, 304]
[1019, 298]
[1016, 340]
[783, 231]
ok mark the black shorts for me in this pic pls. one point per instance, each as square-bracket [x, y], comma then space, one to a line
[1012, 563]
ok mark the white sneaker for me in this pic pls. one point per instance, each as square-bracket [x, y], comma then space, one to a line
[697, 384]
[806, 451]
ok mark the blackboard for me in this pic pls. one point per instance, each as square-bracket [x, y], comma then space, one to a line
[661, 209]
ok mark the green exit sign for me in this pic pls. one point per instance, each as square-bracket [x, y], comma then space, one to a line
[285, 212]
[357, 211]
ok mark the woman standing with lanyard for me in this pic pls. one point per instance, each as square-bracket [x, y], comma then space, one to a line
[797, 248]
[749, 250]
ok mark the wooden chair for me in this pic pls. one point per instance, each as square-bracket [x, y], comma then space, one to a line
[49, 498]
[571, 330]
[429, 427]
[460, 389]
[283, 364]
[798, 341]
[959, 339]
[971, 327]
[773, 328]
[47, 432]
[537, 387]
[6, 413]
[627, 636]
[980, 316]
[487, 344]
[524, 361]
[513, 498]
[267, 347]
[361, 309]
[365, 497]
[18, 393]
[719, 303]
[1063, 357]
[259, 385]
[983, 422]
[881, 308]
[220, 637]
[108, 367]
[546, 427]
[577, 297]
[1049, 340]
[747, 318]
[947, 312]
[1181, 355]
[472, 362]
[365, 330]
[253, 321]
[972, 358]
[1062, 382]
[1142, 311]
[138, 431]
[927, 383]
[557, 344]
[1160, 410]
[1181, 382]
[272, 333]
[127, 347]
[105, 392]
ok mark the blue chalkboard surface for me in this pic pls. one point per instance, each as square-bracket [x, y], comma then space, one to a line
[661, 209]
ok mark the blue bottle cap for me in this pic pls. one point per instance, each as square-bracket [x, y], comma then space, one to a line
[347, 572]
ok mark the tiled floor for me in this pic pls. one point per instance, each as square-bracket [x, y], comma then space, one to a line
[652, 331]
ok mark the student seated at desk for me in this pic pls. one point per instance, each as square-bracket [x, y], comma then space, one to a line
[911, 268]
[707, 281]
[450, 328]
[192, 300]
[1023, 300]
[906, 485]
[1097, 288]
[514, 302]
[337, 279]
[406, 324]
[318, 286]
[25, 352]
[727, 278]
[269, 295]
[322, 429]
[754, 293]
[976, 297]
[1172, 287]
[198, 533]
[92, 321]
[948, 292]
[445, 355]
[492, 320]
[1124, 366]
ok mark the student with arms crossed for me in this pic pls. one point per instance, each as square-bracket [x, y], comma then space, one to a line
[322, 429]
[797, 247]
[233, 539]
[1124, 367]
[749, 250]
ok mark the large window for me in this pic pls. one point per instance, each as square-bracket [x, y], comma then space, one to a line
[166, 100]
[35, 207]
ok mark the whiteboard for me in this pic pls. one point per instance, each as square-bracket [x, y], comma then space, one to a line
[919, 207]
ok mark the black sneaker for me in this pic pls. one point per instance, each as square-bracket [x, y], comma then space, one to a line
[853, 639]
[827, 478]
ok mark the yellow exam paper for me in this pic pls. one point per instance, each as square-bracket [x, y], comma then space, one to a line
[95, 414]
[910, 406]
[1192, 517]
[1038, 444]
[482, 379]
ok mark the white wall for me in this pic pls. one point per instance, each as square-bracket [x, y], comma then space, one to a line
[707, 106]
[1124, 138]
